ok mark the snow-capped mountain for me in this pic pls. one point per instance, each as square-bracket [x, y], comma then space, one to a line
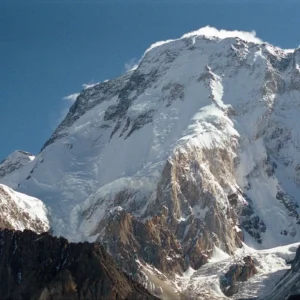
[19, 211]
[14, 162]
[196, 149]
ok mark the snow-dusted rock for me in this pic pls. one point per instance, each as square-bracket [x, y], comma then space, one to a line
[19, 211]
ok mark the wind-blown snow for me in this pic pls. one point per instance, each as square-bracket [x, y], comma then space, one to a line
[131, 65]
[89, 85]
[209, 31]
[71, 97]
[212, 32]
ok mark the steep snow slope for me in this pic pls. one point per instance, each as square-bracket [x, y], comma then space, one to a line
[19, 211]
[204, 134]
[14, 162]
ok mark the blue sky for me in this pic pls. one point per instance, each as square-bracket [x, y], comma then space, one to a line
[48, 49]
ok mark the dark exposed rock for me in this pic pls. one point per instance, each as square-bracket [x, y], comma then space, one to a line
[42, 267]
[250, 221]
[290, 204]
[233, 198]
[141, 121]
[294, 297]
[278, 62]
[173, 91]
[237, 273]
[137, 83]
[269, 166]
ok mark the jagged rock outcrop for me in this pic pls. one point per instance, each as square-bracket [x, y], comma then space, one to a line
[238, 272]
[177, 243]
[128, 239]
[198, 209]
[42, 267]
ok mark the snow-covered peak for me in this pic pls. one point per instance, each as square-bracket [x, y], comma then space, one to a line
[203, 117]
[197, 149]
[19, 211]
[15, 161]
[209, 31]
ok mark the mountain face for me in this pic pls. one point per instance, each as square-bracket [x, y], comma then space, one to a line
[195, 149]
[42, 267]
[19, 211]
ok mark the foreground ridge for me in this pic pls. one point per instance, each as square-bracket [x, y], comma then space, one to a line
[43, 267]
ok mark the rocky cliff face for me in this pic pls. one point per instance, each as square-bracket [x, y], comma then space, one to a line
[194, 149]
[168, 241]
[42, 267]
[128, 239]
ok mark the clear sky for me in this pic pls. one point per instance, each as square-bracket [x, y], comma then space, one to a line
[48, 49]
